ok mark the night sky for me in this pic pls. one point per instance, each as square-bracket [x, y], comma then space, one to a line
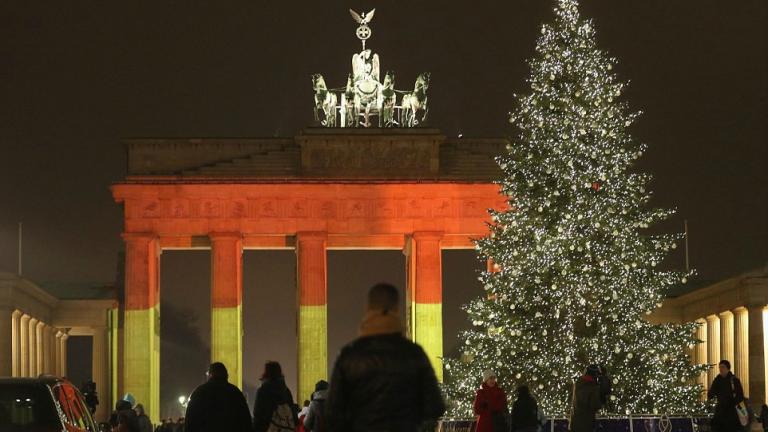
[78, 76]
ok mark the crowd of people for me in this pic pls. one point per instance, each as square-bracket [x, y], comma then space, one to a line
[383, 382]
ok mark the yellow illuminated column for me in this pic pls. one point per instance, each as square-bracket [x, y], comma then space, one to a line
[6, 341]
[57, 354]
[701, 352]
[741, 347]
[226, 303]
[40, 348]
[47, 350]
[313, 316]
[24, 345]
[424, 295]
[100, 371]
[63, 364]
[113, 356]
[141, 332]
[726, 337]
[16, 343]
[758, 339]
[713, 345]
[33, 347]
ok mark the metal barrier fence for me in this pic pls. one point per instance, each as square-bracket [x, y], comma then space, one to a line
[640, 423]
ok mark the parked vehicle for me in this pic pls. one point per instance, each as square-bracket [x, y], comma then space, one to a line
[44, 404]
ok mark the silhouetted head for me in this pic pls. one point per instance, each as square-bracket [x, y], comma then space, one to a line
[218, 371]
[523, 391]
[383, 297]
[272, 370]
[321, 385]
[725, 367]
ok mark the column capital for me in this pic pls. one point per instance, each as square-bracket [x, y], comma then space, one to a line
[16, 314]
[427, 235]
[224, 236]
[725, 314]
[311, 236]
[138, 236]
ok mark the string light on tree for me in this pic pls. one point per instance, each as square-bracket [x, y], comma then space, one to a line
[574, 271]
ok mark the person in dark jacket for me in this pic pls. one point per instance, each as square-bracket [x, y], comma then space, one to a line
[726, 388]
[124, 418]
[382, 381]
[145, 424]
[315, 420]
[274, 400]
[217, 405]
[525, 412]
[586, 401]
[490, 405]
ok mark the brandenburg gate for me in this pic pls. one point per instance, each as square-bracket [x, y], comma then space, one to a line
[369, 176]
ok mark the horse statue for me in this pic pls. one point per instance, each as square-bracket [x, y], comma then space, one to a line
[415, 103]
[387, 100]
[325, 102]
[348, 104]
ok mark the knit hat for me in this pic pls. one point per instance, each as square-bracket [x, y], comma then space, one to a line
[487, 374]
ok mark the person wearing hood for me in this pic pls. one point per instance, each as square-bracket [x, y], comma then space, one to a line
[315, 420]
[145, 424]
[726, 388]
[490, 405]
[217, 405]
[586, 401]
[382, 381]
[124, 418]
[274, 402]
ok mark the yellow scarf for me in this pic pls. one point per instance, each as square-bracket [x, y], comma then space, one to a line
[376, 322]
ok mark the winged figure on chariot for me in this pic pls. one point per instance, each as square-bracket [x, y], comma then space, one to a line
[366, 95]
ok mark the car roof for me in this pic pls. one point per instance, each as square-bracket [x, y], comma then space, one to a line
[44, 379]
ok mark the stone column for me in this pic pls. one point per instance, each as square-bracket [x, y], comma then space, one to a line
[100, 372]
[57, 354]
[713, 345]
[6, 341]
[40, 348]
[16, 343]
[741, 347]
[47, 350]
[24, 345]
[141, 331]
[63, 350]
[726, 337]
[33, 372]
[313, 315]
[757, 347]
[701, 352]
[424, 295]
[226, 303]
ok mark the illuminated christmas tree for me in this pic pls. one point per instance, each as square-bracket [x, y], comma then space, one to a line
[576, 271]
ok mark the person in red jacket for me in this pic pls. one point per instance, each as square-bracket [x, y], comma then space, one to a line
[491, 405]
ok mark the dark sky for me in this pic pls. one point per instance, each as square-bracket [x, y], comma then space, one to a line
[77, 76]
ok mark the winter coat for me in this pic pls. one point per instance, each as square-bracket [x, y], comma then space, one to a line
[125, 421]
[145, 424]
[489, 402]
[315, 419]
[382, 382]
[272, 393]
[586, 404]
[217, 405]
[728, 392]
[525, 415]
